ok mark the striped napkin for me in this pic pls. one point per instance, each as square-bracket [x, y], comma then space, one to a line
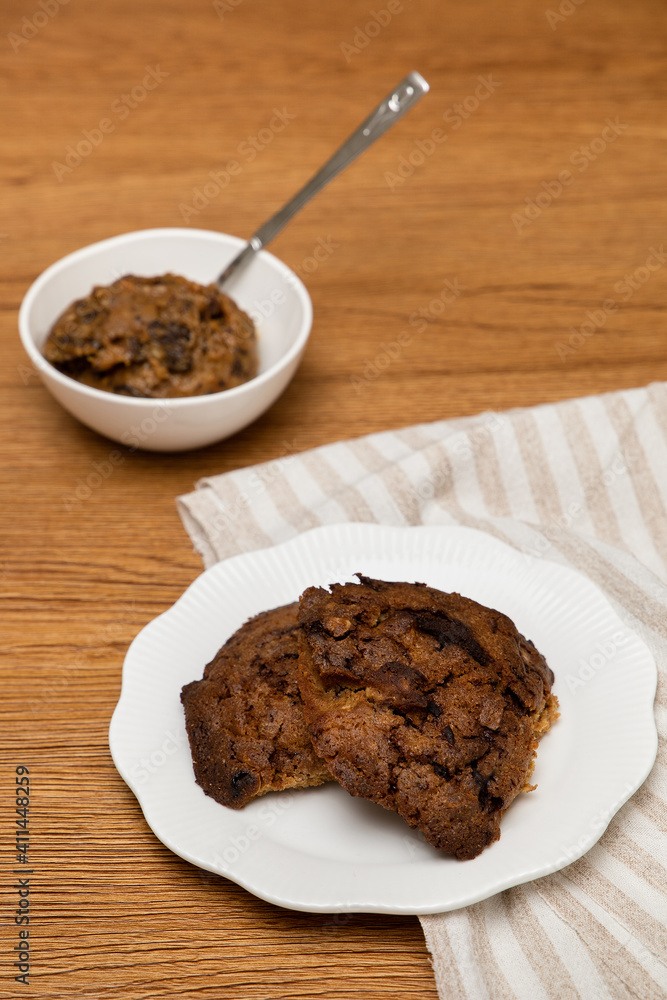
[583, 483]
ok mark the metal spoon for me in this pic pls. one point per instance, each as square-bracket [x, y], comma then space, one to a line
[393, 107]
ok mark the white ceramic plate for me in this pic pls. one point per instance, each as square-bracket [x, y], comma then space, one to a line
[320, 849]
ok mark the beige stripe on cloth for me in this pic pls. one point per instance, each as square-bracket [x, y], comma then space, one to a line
[582, 483]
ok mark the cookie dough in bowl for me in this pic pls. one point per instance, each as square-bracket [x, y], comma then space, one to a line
[267, 291]
[160, 337]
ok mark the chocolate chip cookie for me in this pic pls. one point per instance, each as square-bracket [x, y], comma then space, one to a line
[244, 719]
[424, 702]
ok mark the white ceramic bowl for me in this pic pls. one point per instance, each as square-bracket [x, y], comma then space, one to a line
[266, 289]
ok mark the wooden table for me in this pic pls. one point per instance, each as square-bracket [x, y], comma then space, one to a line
[502, 246]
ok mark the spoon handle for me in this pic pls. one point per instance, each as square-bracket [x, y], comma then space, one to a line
[393, 107]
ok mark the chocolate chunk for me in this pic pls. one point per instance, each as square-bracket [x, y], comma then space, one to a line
[449, 631]
[177, 359]
[178, 331]
[492, 713]
[442, 771]
[490, 803]
[212, 310]
[398, 685]
[242, 781]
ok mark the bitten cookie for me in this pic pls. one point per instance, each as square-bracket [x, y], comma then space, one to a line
[244, 719]
[426, 703]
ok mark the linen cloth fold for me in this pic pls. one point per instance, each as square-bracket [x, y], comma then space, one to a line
[583, 483]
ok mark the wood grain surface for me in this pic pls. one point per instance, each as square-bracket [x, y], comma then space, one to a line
[491, 251]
